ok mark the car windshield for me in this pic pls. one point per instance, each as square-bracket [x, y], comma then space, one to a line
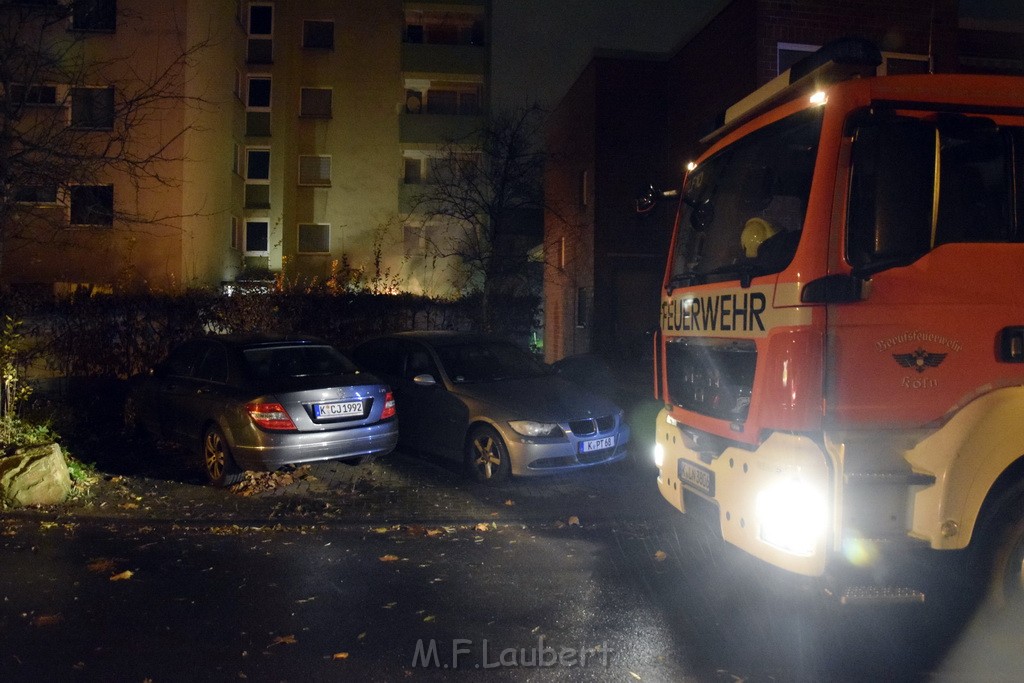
[744, 207]
[271, 362]
[488, 362]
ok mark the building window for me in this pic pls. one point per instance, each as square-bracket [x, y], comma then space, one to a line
[315, 103]
[582, 306]
[257, 106]
[413, 170]
[259, 92]
[443, 27]
[236, 234]
[257, 238]
[94, 15]
[454, 99]
[257, 178]
[36, 194]
[412, 240]
[442, 102]
[318, 35]
[314, 238]
[261, 34]
[788, 54]
[898, 63]
[32, 94]
[257, 165]
[92, 205]
[315, 169]
[92, 108]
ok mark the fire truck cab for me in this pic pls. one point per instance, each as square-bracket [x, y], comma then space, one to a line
[841, 347]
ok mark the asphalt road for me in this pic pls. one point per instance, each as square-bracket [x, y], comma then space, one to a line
[422, 576]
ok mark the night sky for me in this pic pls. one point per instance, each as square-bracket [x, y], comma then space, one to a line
[541, 46]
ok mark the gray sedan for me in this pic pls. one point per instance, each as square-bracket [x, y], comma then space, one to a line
[492, 405]
[262, 402]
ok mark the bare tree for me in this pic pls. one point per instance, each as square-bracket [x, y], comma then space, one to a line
[73, 117]
[482, 189]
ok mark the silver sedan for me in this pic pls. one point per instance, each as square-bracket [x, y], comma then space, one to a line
[490, 404]
[262, 402]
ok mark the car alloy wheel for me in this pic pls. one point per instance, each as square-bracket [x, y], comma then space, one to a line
[487, 455]
[218, 464]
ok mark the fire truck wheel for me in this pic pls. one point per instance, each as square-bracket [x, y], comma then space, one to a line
[1006, 587]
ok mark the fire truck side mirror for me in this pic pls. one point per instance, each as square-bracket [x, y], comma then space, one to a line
[650, 196]
[833, 289]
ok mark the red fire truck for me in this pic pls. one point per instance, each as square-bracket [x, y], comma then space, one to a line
[841, 349]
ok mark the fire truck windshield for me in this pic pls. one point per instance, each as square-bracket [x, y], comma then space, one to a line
[743, 208]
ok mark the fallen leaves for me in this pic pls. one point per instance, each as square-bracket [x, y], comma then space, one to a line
[123, 576]
[572, 521]
[43, 620]
[389, 558]
[339, 655]
[282, 640]
[255, 483]
[660, 556]
[101, 565]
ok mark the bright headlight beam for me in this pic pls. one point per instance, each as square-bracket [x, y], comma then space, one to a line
[792, 516]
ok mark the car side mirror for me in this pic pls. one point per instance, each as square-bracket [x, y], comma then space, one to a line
[424, 380]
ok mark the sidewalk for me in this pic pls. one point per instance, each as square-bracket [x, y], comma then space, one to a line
[399, 489]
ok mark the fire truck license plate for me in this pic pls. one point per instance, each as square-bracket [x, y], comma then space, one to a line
[697, 477]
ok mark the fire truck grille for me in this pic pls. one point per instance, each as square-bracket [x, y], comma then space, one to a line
[711, 377]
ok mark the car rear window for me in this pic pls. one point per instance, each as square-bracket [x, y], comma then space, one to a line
[269, 362]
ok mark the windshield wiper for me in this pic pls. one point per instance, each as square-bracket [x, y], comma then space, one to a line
[685, 280]
[745, 272]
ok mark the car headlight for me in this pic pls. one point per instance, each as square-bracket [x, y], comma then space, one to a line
[792, 516]
[531, 428]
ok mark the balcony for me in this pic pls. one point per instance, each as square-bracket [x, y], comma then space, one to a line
[437, 128]
[432, 58]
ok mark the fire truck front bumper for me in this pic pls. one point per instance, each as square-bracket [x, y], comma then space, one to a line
[772, 502]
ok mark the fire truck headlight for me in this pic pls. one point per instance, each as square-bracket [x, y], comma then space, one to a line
[792, 516]
[659, 455]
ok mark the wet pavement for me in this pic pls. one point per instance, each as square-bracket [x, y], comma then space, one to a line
[335, 572]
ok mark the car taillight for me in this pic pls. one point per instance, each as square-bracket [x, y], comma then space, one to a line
[270, 416]
[389, 406]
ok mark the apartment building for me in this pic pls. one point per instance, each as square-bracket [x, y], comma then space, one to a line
[286, 141]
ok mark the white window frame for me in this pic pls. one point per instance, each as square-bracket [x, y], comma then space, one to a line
[248, 92]
[298, 237]
[245, 236]
[257, 181]
[250, 36]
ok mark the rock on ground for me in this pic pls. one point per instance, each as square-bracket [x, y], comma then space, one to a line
[34, 475]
